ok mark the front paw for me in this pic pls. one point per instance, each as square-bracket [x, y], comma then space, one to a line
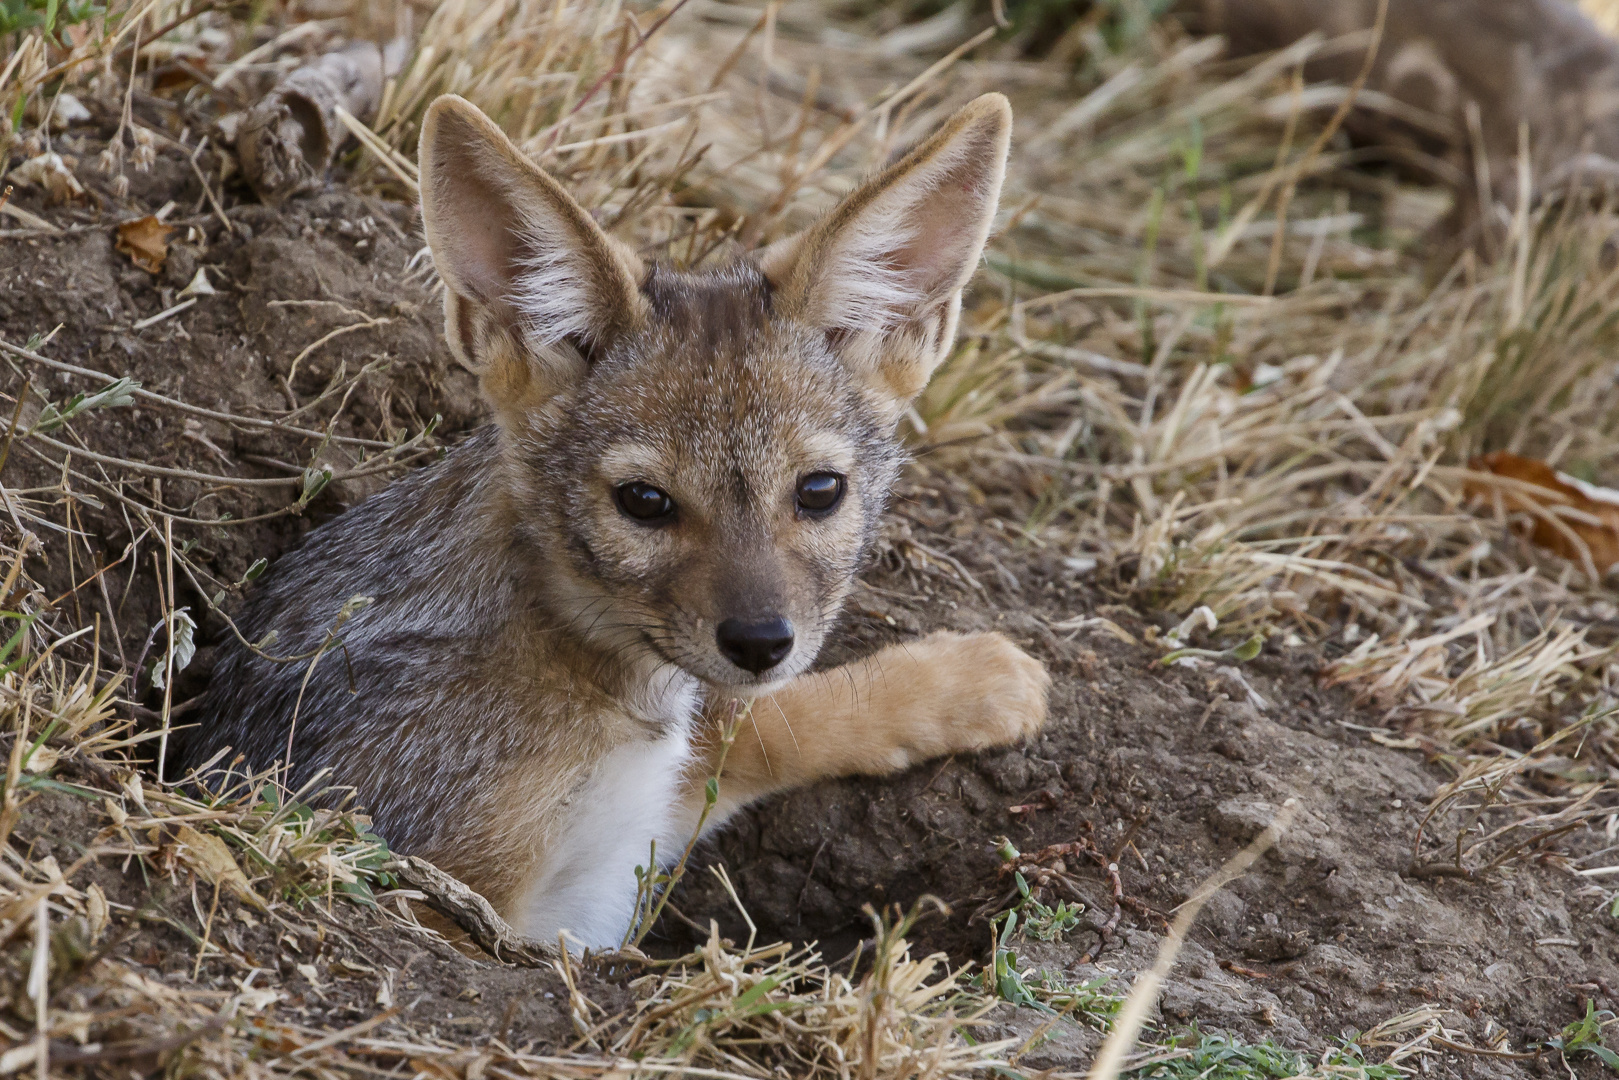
[982, 690]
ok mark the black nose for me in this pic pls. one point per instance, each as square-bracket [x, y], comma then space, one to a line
[755, 644]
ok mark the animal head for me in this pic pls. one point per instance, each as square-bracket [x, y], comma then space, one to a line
[704, 456]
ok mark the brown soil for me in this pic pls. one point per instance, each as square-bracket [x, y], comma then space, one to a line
[1328, 933]
[286, 278]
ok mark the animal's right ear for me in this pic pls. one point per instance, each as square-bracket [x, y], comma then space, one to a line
[532, 285]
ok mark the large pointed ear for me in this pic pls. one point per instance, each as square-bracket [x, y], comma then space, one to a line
[532, 286]
[882, 274]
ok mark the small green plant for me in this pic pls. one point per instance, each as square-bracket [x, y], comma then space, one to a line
[26, 14]
[181, 649]
[652, 884]
[1218, 1057]
[1584, 1036]
[1004, 978]
[114, 394]
[1042, 922]
[11, 658]
[1043, 990]
[1241, 653]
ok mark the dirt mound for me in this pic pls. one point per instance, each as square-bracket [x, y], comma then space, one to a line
[317, 330]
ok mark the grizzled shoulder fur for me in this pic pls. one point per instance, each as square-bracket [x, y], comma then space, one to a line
[395, 549]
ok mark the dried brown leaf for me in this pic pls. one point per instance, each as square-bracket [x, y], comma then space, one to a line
[98, 911]
[209, 856]
[1569, 509]
[146, 242]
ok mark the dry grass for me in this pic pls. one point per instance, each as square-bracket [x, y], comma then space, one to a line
[1220, 364]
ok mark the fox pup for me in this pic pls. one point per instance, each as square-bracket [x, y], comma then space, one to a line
[685, 472]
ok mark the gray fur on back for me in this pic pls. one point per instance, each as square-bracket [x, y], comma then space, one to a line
[421, 551]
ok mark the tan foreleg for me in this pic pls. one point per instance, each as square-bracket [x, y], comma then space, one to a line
[907, 703]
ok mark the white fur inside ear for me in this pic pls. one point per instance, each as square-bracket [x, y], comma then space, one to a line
[915, 245]
[869, 286]
[551, 289]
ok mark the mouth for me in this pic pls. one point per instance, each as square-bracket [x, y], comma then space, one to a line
[762, 682]
[732, 677]
[719, 672]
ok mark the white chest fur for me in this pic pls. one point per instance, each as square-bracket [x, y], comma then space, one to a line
[587, 884]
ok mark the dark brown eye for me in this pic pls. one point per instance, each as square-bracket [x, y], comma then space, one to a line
[645, 503]
[819, 492]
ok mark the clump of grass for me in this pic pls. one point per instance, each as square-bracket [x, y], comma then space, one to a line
[1482, 819]
[756, 1010]
[1457, 677]
[1196, 1055]
[567, 82]
[1006, 978]
[1584, 1037]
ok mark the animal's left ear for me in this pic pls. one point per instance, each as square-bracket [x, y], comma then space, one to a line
[882, 274]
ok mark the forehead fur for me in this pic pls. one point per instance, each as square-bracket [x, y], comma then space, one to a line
[712, 375]
[715, 310]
